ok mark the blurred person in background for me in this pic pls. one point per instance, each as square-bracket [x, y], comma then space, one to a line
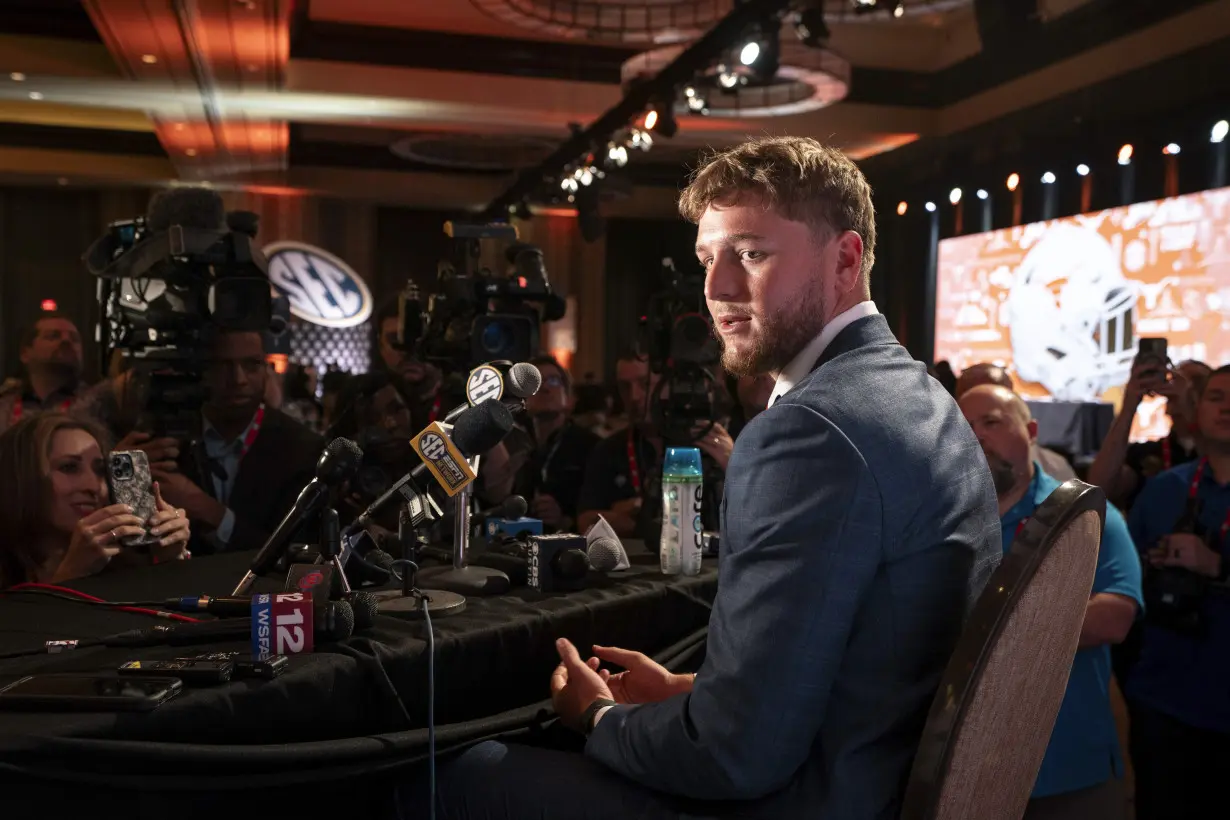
[57, 523]
[594, 408]
[941, 371]
[1179, 690]
[51, 361]
[1122, 468]
[751, 395]
[984, 373]
[551, 478]
[423, 380]
[1082, 773]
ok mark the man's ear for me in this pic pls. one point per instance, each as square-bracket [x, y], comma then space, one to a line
[849, 273]
[1032, 427]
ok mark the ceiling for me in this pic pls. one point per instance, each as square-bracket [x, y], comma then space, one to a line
[437, 103]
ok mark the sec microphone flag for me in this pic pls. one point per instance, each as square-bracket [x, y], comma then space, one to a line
[281, 624]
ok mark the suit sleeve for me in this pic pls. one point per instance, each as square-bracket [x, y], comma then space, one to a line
[801, 545]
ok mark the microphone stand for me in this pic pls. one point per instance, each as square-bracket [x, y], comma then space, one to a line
[407, 602]
[460, 577]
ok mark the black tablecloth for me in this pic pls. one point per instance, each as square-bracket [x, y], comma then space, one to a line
[347, 708]
[1072, 427]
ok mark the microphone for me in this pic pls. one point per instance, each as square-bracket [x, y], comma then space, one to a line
[606, 554]
[339, 462]
[336, 623]
[477, 430]
[492, 381]
[512, 507]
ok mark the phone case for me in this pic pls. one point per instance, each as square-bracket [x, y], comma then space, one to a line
[133, 487]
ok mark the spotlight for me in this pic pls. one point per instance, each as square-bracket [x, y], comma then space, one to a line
[727, 78]
[1219, 131]
[982, 193]
[865, 6]
[697, 103]
[651, 119]
[1082, 169]
[661, 119]
[1171, 150]
[689, 92]
[1014, 180]
[902, 207]
[1125, 154]
[617, 154]
[1048, 178]
[749, 53]
[930, 206]
[899, 9]
[954, 196]
[568, 184]
[587, 176]
[810, 28]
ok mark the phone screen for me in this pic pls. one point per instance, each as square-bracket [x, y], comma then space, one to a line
[88, 686]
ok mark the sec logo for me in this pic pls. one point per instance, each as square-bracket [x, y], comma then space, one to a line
[322, 289]
[485, 383]
[433, 447]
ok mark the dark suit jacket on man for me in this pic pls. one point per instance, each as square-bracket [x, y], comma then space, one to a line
[858, 528]
[281, 461]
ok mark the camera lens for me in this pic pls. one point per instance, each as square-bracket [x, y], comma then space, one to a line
[496, 338]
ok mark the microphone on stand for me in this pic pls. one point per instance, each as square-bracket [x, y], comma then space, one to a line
[338, 463]
[520, 381]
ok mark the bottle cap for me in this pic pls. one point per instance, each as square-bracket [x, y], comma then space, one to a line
[682, 461]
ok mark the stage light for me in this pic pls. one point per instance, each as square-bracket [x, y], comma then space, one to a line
[49, 305]
[1014, 180]
[749, 53]
[930, 206]
[1219, 131]
[1082, 169]
[1171, 150]
[651, 119]
[902, 207]
[982, 193]
[617, 154]
[954, 196]
[1125, 154]
[727, 78]
[36, 95]
[899, 9]
[689, 92]
[661, 119]
[1048, 178]
[17, 77]
[587, 176]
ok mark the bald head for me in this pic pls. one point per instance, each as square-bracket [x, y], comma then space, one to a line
[1005, 429]
[983, 373]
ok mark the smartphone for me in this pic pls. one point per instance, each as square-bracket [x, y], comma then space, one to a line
[193, 671]
[130, 482]
[89, 693]
[1152, 349]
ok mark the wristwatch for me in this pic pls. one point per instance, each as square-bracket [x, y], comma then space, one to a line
[591, 714]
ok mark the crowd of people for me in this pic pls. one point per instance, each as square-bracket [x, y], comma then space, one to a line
[842, 514]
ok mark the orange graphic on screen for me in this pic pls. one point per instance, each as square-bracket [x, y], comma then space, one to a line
[1062, 304]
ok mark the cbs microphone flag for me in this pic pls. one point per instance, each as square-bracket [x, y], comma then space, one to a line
[443, 458]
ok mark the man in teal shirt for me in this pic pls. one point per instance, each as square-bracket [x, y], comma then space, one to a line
[1081, 775]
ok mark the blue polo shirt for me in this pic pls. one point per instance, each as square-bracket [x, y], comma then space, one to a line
[1184, 676]
[1084, 748]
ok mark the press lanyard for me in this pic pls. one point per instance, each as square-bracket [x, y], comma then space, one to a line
[634, 472]
[1020, 526]
[249, 436]
[1191, 495]
[435, 410]
[19, 408]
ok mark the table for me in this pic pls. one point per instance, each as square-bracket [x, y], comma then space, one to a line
[1072, 427]
[351, 708]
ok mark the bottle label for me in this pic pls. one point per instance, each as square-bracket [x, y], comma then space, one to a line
[682, 540]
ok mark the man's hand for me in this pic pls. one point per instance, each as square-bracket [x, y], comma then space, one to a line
[163, 453]
[1147, 377]
[180, 491]
[575, 684]
[1187, 551]
[717, 443]
[645, 680]
[547, 510]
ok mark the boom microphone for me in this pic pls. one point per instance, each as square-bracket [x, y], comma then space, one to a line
[338, 463]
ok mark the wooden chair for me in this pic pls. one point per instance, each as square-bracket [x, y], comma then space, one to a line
[992, 717]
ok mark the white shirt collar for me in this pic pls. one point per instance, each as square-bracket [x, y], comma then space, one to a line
[806, 359]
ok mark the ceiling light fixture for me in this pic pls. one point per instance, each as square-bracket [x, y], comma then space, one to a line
[148, 59]
[1220, 129]
[1082, 169]
[17, 77]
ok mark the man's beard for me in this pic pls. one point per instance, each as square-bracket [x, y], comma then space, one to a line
[778, 339]
[1003, 474]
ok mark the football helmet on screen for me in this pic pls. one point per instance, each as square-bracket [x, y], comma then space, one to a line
[1072, 315]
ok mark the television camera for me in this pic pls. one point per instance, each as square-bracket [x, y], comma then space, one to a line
[475, 315]
[168, 283]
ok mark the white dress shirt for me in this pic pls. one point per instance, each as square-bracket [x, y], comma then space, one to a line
[806, 359]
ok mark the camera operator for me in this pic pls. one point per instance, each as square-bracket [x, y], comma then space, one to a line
[551, 477]
[1179, 691]
[1120, 468]
[52, 359]
[252, 461]
[623, 469]
[422, 380]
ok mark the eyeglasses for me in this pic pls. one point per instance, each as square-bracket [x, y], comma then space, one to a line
[553, 381]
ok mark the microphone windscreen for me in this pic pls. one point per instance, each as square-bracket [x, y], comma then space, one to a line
[482, 427]
[186, 207]
[365, 606]
[513, 507]
[339, 462]
[379, 558]
[336, 622]
[524, 380]
[604, 554]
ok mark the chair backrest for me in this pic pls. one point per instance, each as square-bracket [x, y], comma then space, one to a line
[992, 717]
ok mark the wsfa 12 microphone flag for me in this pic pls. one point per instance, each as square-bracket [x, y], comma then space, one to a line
[442, 457]
[281, 625]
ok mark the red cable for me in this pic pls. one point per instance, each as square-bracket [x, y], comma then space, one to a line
[173, 616]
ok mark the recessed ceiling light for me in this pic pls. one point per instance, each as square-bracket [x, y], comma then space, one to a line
[36, 95]
[17, 77]
[148, 59]
[191, 152]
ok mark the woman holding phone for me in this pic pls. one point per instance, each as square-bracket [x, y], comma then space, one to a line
[56, 519]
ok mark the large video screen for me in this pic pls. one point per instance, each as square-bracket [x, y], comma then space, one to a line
[1062, 304]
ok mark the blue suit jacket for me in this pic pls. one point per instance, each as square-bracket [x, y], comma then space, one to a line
[858, 529]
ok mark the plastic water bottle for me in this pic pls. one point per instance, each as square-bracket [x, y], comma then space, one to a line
[682, 493]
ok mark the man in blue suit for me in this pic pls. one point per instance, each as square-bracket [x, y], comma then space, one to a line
[859, 526]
